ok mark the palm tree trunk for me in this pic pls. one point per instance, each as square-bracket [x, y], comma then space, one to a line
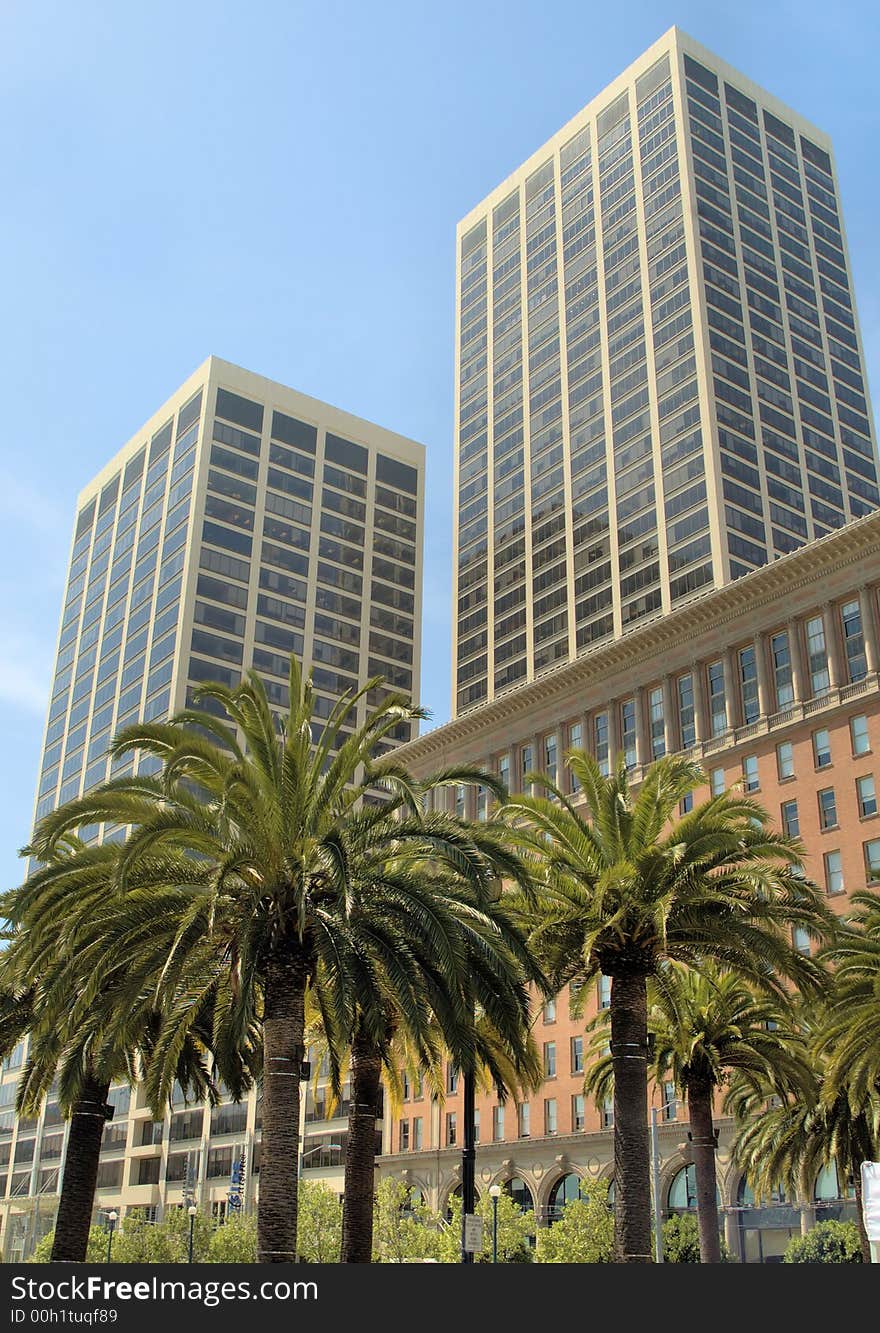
[283, 1027]
[365, 1071]
[699, 1097]
[80, 1177]
[864, 1243]
[629, 1051]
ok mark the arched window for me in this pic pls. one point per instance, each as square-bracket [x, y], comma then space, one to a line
[564, 1191]
[828, 1186]
[682, 1196]
[520, 1193]
[453, 1194]
[745, 1195]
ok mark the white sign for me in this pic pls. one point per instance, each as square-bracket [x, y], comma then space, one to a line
[473, 1233]
[871, 1199]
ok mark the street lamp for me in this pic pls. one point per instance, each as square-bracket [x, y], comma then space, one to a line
[111, 1218]
[494, 1195]
[192, 1210]
[468, 1158]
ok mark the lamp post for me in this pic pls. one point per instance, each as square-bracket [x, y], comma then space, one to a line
[192, 1210]
[494, 1195]
[655, 1182]
[468, 1158]
[111, 1219]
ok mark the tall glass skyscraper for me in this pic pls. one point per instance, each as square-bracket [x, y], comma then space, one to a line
[660, 378]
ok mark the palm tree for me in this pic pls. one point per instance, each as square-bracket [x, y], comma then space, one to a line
[625, 886]
[470, 997]
[787, 1137]
[706, 1024]
[431, 953]
[249, 831]
[89, 1023]
[851, 1026]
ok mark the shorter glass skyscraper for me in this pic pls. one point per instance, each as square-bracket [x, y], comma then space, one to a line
[244, 522]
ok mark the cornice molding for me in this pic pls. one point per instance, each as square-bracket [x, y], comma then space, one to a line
[818, 560]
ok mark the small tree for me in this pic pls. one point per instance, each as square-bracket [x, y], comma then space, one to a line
[319, 1237]
[826, 1243]
[584, 1234]
[402, 1230]
[681, 1241]
[167, 1242]
[235, 1242]
[96, 1252]
[514, 1229]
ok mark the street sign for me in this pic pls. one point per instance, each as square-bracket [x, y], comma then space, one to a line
[871, 1205]
[473, 1233]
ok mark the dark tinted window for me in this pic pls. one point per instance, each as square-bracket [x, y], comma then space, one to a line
[397, 474]
[134, 468]
[161, 442]
[232, 407]
[815, 155]
[189, 413]
[700, 74]
[778, 129]
[108, 495]
[346, 453]
[85, 520]
[290, 431]
[740, 103]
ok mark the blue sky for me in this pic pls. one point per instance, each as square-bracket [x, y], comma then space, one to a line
[279, 184]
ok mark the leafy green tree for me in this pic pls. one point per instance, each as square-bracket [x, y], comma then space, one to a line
[682, 1241]
[514, 1231]
[235, 1242]
[583, 1234]
[402, 1230]
[96, 1248]
[826, 1243]
[138, 1241]
[624, 885]
[319, 1233]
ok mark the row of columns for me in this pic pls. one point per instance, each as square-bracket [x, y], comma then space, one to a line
[801, 686]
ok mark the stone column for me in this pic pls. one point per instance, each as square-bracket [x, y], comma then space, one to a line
[730, 691]
[561, 771]
[765, 700]
[836, 670]
[643, 740]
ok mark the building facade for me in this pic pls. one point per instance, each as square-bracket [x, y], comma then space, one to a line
[660, 382]
[770, 682]
[243, 522]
